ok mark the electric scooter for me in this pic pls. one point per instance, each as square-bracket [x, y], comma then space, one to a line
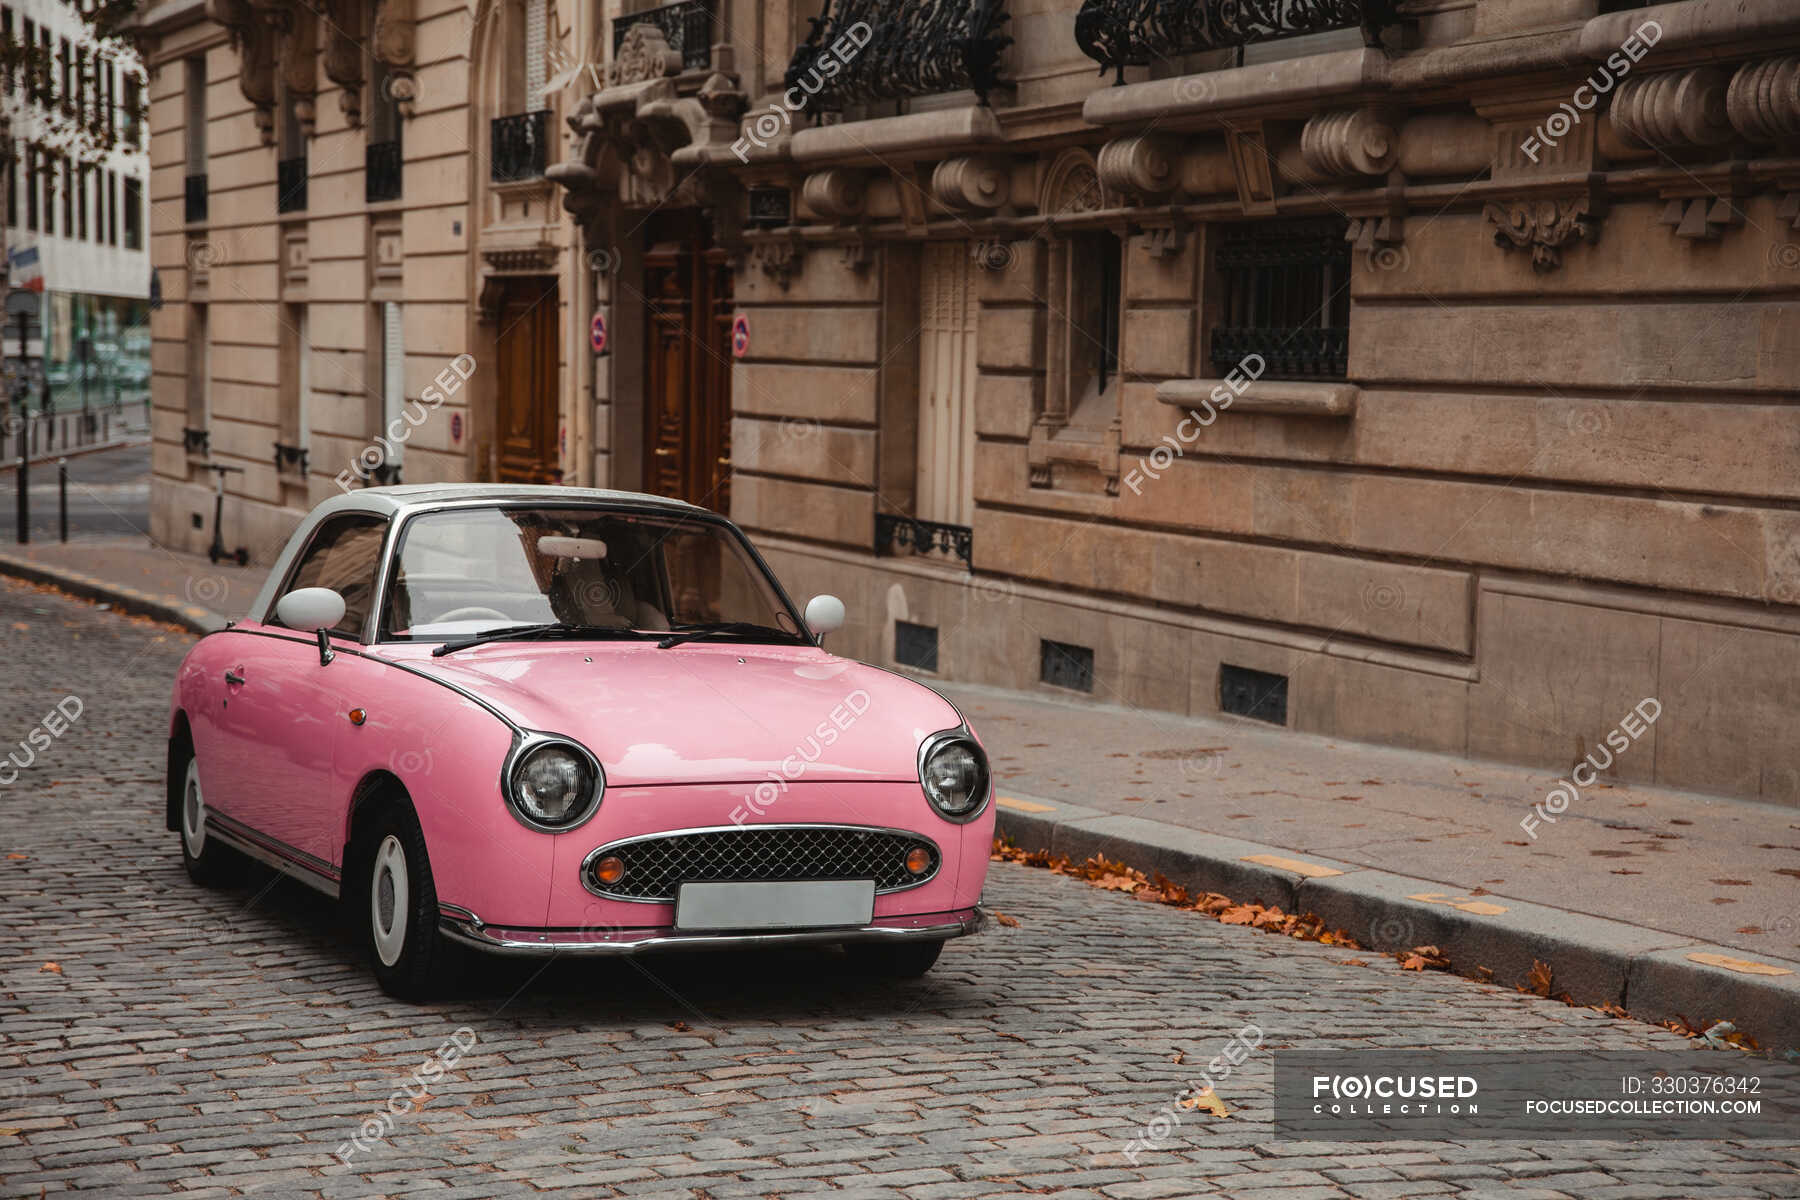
[218, 551]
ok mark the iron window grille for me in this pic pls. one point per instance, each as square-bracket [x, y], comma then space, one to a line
[1285, 292]
[1135, 33]
[290, 184]
[196, 441]
[912, 48]
[382, 171]
[518, 146]
[896, 534]
[194, 199]
[688, 26]
[290, 459]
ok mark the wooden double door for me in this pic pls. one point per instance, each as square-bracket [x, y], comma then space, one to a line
[528, 405]
[687, 400]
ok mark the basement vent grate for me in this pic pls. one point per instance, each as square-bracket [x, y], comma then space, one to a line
[1258, 695]
[1061, 664]
[916, 646]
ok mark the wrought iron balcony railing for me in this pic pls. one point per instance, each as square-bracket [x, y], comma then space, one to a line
[870, 50]
[290, 184]
[1134, 33]
[518, 146]
[688, 25]
[382, 170]
[194, 200]
[896, 534]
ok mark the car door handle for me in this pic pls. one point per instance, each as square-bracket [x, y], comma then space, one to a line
[232, 677]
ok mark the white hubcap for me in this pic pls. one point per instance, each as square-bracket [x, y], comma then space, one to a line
[389, 900]
[193, 811]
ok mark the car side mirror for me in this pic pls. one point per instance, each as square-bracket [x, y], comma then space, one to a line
[314, 609]
[824, 614]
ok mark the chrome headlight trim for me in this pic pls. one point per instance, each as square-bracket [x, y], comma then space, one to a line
[932, 745]
[525, 744]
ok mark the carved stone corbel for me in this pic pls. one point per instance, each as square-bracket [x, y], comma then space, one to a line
[1763, 101]
[836, 193]
[1144, 165]
[1544, 226]
[1352, 141]
[960, 184]
[253, 33]
[393, 42]
[299, 63]
[344, 56]
[1674, 109]
[1701, 218]
[859, 254]
[1164, 241]
[778, 260]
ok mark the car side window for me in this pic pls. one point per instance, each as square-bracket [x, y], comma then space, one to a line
[344, 555]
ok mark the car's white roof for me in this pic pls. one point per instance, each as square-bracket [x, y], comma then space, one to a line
[412, 497]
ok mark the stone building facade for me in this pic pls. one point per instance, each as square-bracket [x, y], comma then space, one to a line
[1416, 371]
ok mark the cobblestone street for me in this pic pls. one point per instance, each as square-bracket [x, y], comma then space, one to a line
[159, 1038]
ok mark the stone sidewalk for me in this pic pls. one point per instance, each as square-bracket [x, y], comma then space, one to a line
[1667, 903]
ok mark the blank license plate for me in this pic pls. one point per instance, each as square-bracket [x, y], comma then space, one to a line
[799, 905]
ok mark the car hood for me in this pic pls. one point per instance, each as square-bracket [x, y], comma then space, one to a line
[705, 712]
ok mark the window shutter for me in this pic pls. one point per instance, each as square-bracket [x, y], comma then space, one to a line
[393, 373]
[947, 311]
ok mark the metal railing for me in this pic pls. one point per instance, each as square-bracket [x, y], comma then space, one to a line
[897, 534]
[290, 184]
[871, 50]
[382, 172]
[58, 431]
[194, 199]
[518, 146]
[688, 25]
[1285, 296]
[1134, 33]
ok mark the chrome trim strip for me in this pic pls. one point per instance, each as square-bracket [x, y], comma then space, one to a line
[457, 912]
[915, 835]
[297, 864]
[960, 924]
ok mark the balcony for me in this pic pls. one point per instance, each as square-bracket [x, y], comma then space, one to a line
[194, 200]
[896, 534]
[687, 25]
[1135, 33]
[382, 168]
[290, 185]
[518, 146]
[864, 51]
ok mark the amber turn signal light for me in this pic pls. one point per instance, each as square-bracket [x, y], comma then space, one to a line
[609, 869]
[918, 860]
[358, 716]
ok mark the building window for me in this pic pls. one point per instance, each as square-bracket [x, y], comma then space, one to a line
[81, 200]
[198, 358]
[1095, 267]
[112, 208]
[290, 169]
[13, 166]
[296, 370]
[1284, 296]
[31, 188]
[392, 358]
[134, 213]
[195, 198]
[383, 158]
[68, 196]
[134, 128]
[6, 36]
[947, 317]
[64, 62]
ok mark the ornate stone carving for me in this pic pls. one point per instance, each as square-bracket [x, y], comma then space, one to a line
[1164, 242]
[253, 35]
[1253, 168]
[1674, 109]
[1763, 101]
[993, 255]
[966, 183]
[835, 193]
[779, 260]
[644, 54]
[392, 43]
[1544, 227]
[1354, 141]
[1072, 185]
[344, 55]
[1147, 165]
[299, 63]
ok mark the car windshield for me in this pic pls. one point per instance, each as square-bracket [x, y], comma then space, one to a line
[607, 573]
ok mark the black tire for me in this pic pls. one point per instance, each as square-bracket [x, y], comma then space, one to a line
[893, 960]
[395, 907]
[209, 862]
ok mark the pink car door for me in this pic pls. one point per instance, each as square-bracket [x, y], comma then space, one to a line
[275, 731]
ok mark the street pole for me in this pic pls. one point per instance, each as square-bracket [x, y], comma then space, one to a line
[62, 497]
[24, 478]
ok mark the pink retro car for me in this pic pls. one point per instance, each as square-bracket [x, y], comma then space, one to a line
[545, 720]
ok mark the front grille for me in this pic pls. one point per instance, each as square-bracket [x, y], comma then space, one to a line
[656, 866]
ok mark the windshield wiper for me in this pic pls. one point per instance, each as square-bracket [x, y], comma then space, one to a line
[748, 629]
[521, 632]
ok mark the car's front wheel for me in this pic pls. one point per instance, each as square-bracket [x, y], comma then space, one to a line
[893, 960]
[208, 862]
[398, 903]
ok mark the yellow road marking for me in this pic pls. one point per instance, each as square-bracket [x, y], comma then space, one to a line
[1296, 865]
[1024, 806]
[1743, 966]
[1468, 904]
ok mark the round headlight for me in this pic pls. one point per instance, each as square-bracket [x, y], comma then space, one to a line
[954, 774]
[553, 785]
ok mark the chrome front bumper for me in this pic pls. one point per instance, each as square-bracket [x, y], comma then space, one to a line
[465, 927]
